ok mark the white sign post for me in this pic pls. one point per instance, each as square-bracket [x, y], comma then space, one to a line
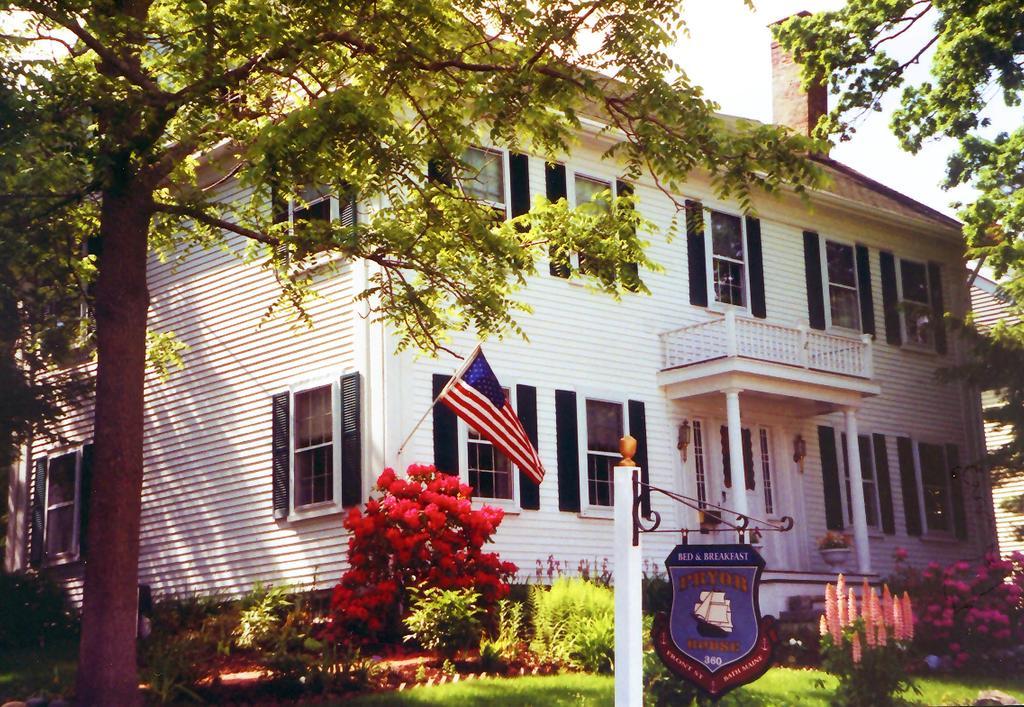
[629, 648]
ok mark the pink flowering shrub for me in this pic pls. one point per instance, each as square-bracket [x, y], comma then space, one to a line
[970, 614]
[421, 532]
[865, 643]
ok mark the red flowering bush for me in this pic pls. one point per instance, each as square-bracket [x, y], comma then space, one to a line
[421, 532]
[969, 614]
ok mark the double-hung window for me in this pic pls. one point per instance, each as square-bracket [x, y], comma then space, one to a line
[934, 479]
[488, 470]
[727, 252]
[63, 481]
[916, 304]
[605, 425]
[314, 451]
[840, 269]
[868, 477]
[585, 191]
[484, 179]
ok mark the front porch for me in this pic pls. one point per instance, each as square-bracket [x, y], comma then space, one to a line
[764, 381]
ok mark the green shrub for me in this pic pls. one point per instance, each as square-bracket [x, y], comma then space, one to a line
[445, 620]
[661, 687]
[171, 667]
[263, 613]
[574, 624]
[33, 610]
[507, 644]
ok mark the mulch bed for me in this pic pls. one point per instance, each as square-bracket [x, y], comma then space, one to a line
[243, 682]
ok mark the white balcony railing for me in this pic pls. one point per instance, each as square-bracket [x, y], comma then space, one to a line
[732, 336]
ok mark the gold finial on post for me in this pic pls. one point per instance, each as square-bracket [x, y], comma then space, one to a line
[627, 448]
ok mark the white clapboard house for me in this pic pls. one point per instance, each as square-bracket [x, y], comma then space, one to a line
[784, 364]
[991, 305]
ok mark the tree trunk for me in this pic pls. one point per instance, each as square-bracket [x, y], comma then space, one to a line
[107, 669]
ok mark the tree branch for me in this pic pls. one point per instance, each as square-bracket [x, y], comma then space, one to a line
[216, 222]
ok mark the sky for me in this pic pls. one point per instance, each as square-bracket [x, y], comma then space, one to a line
[728, 53]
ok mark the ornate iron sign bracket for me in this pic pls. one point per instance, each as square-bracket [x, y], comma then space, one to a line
[741, 525]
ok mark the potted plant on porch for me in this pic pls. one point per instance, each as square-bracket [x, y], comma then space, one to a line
[835, 550]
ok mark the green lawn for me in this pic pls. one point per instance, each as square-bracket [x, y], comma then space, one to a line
[27, 672]
[779, 686]
[30, 672]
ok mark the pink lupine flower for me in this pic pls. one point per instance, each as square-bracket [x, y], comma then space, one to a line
[868, 610]
[882, 634]
[856, 648]
[887, 617]
[822, 626]
[841, 600]
[832, 614]
[851, 606]
[897, 621]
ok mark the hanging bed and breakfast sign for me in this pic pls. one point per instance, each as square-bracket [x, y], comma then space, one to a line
[714, 635]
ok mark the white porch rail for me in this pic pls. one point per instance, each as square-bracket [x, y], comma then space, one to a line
[733, 336]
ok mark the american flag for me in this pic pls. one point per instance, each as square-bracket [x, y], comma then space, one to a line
[475, 395]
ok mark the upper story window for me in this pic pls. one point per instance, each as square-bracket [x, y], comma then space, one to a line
[915, 303]
[62, 498]
[841, 281]
[490, 472]
[728, 271]
[604, 429]
[585, 191]
[485, 178]
[314, 448]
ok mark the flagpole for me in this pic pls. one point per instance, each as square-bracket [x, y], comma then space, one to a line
[451, 381]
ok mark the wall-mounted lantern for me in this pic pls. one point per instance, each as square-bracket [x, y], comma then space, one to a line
[684, 438]
[799, 451]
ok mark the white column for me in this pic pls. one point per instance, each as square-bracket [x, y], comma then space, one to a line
[860, 521]
[629, 645]
[738, 497]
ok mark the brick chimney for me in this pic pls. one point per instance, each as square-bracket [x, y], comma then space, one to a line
[791, 105]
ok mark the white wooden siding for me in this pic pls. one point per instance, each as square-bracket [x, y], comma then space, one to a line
[207, 521]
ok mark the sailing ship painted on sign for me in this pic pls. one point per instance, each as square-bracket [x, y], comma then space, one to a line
[713, 613]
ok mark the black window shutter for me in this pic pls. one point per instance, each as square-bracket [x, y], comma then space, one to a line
[630, 272]
[638, 430]
[748, 459]
[756, 259]
[568, 451]
[696, 254]
[84, 495]
[446, 431]
[351, 440]
[938, 308]
[281, 421]
[439, 172]
[526, 408]
[38, 519]
[812, 275]
[830, 476]
[884, 484]
[890, 299]
[519, 183]
[556, 187]
[956, 486]
[723, 432]
[867, 300]
[279, 214]
[347, 212]
[908, 484]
